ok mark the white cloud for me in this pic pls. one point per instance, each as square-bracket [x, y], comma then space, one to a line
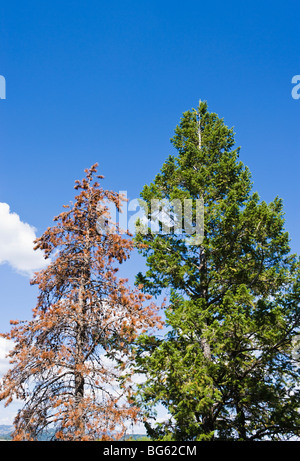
[7, 414]
[5, 347]
[16, 243]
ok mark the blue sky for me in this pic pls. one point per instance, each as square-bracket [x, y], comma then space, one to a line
[107, 82]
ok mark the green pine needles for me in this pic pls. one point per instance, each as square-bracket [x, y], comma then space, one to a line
[226, 368]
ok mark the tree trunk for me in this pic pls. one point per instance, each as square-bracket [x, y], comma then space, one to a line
[207, 419]
[79, 362]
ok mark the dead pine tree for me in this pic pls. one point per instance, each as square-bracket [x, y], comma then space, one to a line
[70, 364]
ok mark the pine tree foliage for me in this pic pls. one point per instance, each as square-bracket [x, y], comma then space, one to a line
[226, 369]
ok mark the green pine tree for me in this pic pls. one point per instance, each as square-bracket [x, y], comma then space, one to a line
[225, 370]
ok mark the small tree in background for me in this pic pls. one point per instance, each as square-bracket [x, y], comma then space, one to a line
[71, 362]
[226, 369]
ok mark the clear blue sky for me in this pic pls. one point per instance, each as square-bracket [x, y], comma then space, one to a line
[107, 82]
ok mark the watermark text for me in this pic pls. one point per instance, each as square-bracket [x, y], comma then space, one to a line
[2, 87]
[181, 218]
[296, 88]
